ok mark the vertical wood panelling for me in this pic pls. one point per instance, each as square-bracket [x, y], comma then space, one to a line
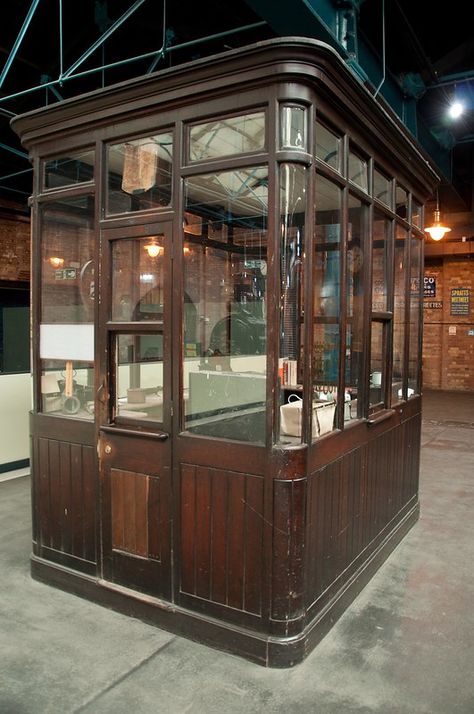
[64, 483]
[222, 536]
[354, 498]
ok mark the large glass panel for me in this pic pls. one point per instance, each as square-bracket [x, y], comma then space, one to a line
[67, 307]
[326, 296]
[358, 170]
[382, 188]
[414, 361]
[401, 202]
[356, 242]
[227, 136]
[139, 377]
[225, 315]
[138, 279]
[139, 174]
[328, 146]
[68, 170]
[399, 314]
[416, 214]
[380, 262]
[291, 362]
[293, 128]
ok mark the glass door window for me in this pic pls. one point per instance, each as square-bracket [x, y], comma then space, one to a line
[136, 328]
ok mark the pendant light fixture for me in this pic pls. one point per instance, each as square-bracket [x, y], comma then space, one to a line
[437, 230]
[153, 248]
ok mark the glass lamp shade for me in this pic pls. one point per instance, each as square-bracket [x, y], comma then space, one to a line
[437, 231]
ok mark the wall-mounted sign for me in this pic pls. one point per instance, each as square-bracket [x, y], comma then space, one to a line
[470, 333]
[65, 274]
[429, 286]
[460, 301]
[433, 305]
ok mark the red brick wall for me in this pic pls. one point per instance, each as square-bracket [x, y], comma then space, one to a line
[448, 348]
[14, 244]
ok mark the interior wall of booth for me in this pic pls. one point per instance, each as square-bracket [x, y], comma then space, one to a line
[15, 379]
[448, 338]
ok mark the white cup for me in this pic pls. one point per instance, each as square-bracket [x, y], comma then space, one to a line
[376, 378]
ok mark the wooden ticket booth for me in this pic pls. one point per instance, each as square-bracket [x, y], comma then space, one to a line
[227, 312]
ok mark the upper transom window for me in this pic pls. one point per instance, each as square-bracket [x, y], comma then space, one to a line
[227, 136]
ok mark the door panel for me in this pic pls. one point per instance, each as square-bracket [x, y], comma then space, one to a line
[136, 537]
[135, 448]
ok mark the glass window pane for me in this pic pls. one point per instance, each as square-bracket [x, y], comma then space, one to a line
[358, 171]
[399, 315]
[414, 360]
[138, 279]
[357, 236]
[328, 146]
[401, 202]
[416, 214]
[139, 174]
[227, 136]
[382, 188]
[380, 262]
[139, 377]
[377, 364]
[67, 305]
[291, 362]
[225, 314]
[68, 170]
[293, 128]
[67, 267]
[326, 296]
[67, 388]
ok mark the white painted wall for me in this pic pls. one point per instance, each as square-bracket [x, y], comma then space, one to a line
[15, 404]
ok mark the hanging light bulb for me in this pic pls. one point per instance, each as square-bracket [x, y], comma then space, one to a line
[153, 248]
[437, 230]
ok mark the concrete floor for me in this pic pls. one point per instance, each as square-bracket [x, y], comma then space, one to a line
[405, 646]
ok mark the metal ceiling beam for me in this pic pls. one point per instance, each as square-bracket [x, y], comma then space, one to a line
[17, 152]
[18, 40]
[102, 38]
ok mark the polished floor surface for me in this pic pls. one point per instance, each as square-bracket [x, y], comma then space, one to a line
[405, 646]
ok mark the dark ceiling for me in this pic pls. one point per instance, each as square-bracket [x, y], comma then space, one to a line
[418, 44]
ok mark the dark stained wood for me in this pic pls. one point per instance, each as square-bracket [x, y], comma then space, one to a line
[63, 492]
[222, 537]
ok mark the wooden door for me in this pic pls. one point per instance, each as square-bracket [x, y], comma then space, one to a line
[135, 428]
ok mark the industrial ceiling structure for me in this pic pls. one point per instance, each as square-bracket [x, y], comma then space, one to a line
[414, 60]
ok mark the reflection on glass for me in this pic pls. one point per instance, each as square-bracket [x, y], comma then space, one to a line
[414, 360]
[377, 363]
[227, 136]
[139, 174]
[401, 202]
[139, 377]
[382, 188]
[67, 308]
[328, 146]
[138, 279]
[326, 294]
[380, 264]
[293, 128]
[67, 388]
[291, 363]
[416, 214]
[67, 267]
[398, 315]
[357, 234]
[225, 317]
[358, 171]
[68, 170]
